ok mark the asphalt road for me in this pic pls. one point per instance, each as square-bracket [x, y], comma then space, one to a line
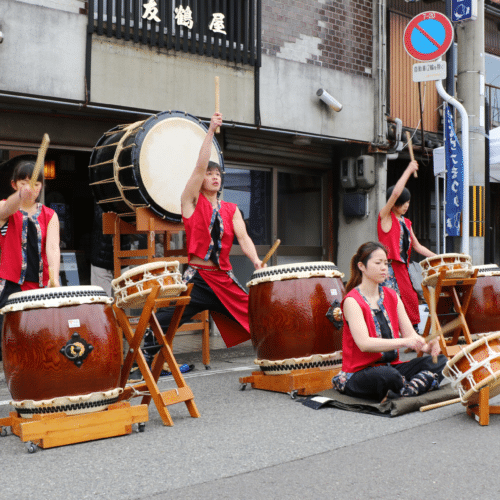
[256, 444]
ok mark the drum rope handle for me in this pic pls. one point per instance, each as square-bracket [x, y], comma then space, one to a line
[102, 163]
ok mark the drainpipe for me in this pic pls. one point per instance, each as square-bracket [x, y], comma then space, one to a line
[465, 150]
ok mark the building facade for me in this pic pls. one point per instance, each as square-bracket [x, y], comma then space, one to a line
[305, 172]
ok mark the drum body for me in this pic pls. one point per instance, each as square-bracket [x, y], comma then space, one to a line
[60, 344]
[457, 266]
[475, 367]
[133, 287]
[287, 313]
[483, 314]
[147, 164]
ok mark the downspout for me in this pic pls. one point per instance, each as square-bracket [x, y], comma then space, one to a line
[258, 63]
[88, 50]
[465, 150]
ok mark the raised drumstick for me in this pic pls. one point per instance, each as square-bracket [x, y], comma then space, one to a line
[270, 253]
[217, 100]
[40, 159]
[410, 149]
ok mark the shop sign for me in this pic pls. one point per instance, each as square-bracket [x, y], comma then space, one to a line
[184, 17]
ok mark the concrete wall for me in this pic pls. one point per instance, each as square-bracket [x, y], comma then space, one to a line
[128, 74]
[288, 100]
[355, 231]
[43, 51]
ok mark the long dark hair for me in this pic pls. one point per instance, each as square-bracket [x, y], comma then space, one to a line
[363, 255]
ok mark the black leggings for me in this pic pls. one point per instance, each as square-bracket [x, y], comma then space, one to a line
[374, 382]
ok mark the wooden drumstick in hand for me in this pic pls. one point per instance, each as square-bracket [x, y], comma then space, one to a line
[270, 253]
[217, 100]
[410, 149]
[40, 159]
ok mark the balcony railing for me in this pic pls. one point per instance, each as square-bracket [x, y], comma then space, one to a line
[221, 29]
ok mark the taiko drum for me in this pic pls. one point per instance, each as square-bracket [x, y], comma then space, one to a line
[476, 366]
[60, 342]
[287, 310]
[483, 313]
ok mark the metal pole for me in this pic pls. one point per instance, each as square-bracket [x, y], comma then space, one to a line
[465, 150]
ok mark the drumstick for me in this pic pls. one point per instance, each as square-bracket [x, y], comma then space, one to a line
[217, 100]
[432, 310]
[270, 253]
[39, 160]
[410, 149]
[439, 405]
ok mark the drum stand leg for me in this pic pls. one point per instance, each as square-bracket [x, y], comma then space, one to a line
[482, 410]
[302, 382]
[60, 429]
[161, 399]
[448, 288]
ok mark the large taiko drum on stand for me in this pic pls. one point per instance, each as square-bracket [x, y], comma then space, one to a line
[288, 306]
[476, 366]
[483, 314]
[147, 164]
[61, 350]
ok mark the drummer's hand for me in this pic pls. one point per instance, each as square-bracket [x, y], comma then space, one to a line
[412, 166]
[216, 121]
[416, 344]
[434, 348]
[27, 194]
[258, 264]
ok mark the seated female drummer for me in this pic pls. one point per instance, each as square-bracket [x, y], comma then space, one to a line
[376, 326]
[29, 237]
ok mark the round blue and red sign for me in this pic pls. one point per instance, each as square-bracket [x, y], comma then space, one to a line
[428, 36]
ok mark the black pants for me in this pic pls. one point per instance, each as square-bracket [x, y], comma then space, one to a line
[375, 382]
[202, 298]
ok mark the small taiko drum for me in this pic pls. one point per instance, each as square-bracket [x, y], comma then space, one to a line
[483, 313]
[133, 287]
[475, 367]
[457, 266]
[61, 350]
[289, 327]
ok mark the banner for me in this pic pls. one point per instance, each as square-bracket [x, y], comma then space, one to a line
[454, 177]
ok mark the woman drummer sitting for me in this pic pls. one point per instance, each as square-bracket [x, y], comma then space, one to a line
[376, 326]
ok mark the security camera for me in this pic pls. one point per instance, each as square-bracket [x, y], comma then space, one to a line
[328, 99]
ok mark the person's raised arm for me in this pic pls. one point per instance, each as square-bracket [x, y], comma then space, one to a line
[53, 250]
[385, 213]
[191, 191]
[244, 240]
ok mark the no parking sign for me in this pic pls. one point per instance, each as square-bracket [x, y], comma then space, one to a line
[428, 36]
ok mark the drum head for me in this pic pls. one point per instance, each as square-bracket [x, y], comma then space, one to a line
[166, 152]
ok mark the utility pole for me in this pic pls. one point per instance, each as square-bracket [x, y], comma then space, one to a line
[471, 93]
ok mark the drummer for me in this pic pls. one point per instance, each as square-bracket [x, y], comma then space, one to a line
[29, 237]
[376, 326]
[395, 232]
[211, 225]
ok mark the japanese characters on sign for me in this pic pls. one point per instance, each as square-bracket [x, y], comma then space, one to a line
[425, 72]
[184, 17]
[454, 177]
